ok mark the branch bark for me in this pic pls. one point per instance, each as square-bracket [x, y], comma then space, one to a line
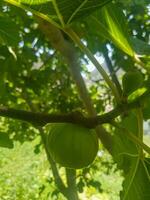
[58, 181]
[41, 119]
[71, 182]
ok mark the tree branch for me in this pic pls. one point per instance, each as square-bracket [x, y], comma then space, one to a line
[58, 181]
[41, 119]
[71, 182]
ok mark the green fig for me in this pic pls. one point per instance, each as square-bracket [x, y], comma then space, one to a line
[72, 146]
[131, 81]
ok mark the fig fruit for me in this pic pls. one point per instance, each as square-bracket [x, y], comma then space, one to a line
[131, 81]
[72, 146]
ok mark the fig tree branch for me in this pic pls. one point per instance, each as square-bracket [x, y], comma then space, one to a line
[55, 172]
[41, 119]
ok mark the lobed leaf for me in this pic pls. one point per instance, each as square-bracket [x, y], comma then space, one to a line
[112, 26]
[67, 10]
[136, 171]
[137, 182]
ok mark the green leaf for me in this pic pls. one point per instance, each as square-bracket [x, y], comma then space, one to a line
[140, 47]
[123, 147]
[66, 11]
[8, 33]
[5, 141]
[137, 93]
[137, 181]
[112, 26]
